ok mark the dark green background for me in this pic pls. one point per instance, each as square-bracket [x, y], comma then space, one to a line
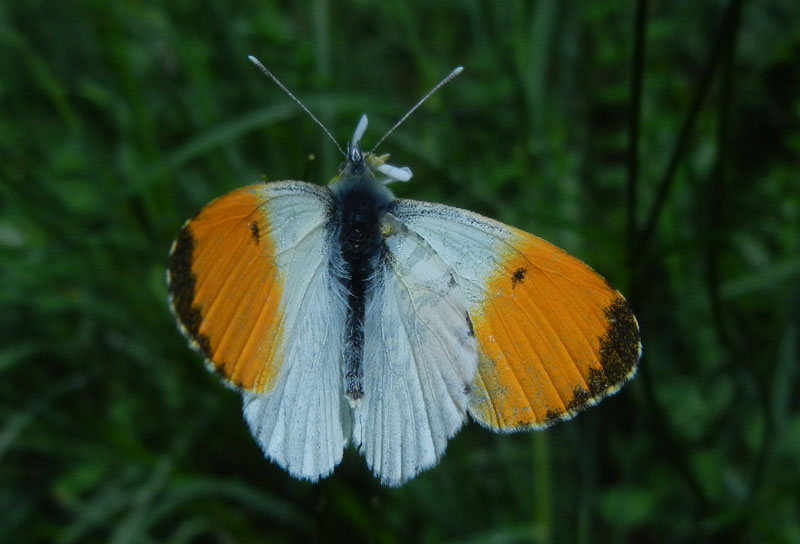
[119, 120]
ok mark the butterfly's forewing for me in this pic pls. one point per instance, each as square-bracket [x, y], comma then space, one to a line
[250, 284]
[553, 336]
[420, 357]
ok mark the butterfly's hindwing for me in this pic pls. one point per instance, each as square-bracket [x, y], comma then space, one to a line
[420, 358]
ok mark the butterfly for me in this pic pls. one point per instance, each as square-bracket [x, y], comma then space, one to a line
[344, 315]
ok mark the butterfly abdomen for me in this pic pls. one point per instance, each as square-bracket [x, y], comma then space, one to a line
[361, 203]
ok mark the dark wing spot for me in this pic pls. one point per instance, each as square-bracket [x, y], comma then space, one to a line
[354, 392]
[471, 331]
[255, 231]
[598, 383]
[580, 397]
[620, 346]
[552, 416]
[181, 288]
[467, 389]
[518, 276]
[204, 345]
[221, 373]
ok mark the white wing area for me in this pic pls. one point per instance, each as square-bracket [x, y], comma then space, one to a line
[420, 358]
[304, 422]
[469, 243]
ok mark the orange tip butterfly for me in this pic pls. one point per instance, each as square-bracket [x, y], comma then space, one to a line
[344, 315]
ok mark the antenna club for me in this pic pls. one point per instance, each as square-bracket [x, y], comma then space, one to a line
[297, 101]
[436, 87]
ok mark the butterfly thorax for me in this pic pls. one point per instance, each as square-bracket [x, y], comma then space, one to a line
[360, 203]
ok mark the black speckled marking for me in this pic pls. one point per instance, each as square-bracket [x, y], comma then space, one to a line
[598, 383]
[518, 276]
[619, 354]
[619, 347]
[255, 230]
[580, 397]
[220, 373]
[181, 288]
[552, 416]
[204, 345]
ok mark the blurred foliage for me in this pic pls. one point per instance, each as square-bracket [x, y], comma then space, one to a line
[669, 163]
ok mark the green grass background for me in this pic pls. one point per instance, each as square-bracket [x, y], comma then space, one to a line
[657, 141]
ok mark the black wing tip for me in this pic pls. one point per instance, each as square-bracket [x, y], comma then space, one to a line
[181, 286]
[621, 345]
[620, 352]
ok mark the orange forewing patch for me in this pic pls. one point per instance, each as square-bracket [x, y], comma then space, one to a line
[226, 289]
[553, 337]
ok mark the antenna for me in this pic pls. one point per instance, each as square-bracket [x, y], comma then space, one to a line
[443, 82]
[293, 97]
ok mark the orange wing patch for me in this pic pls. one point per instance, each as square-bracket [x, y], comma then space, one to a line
[225, 289]
[553, 337]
